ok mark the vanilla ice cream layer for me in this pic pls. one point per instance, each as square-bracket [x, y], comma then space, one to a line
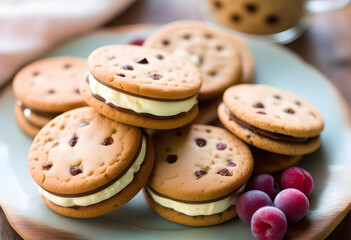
[104, 194]
[138, 104]
[193, 209]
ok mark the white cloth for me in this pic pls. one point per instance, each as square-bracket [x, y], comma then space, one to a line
[29, 27]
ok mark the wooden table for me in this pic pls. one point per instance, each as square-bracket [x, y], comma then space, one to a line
[326, 45]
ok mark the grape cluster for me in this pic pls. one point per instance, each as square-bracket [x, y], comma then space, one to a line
[268, 209]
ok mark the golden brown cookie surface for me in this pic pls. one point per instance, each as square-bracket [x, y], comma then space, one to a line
[199, 173]
[145, 72]
[82, 159]
[45, 89]
[209, 162]
[223, 60]
[51, 84]
[257, 17]
[272, 119]
[141, 86]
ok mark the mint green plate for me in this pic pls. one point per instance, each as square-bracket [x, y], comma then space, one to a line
[330, 165]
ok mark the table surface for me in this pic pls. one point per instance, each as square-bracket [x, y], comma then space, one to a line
[326, 45]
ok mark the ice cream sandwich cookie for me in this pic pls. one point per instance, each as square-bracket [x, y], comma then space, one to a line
[47, 88]
[268, 162]
[199, 173]
[271, 119]
[223, 59]
[142, 87]
[86, 165]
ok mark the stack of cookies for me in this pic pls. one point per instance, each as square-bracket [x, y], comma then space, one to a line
[47, 88]
[92, 160]
[199, 173]
[280, 126]
[223, 60]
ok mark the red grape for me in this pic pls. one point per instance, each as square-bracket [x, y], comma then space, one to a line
[298, 178]
[293, 203]
[266, 183]
[249, 202]
[269, 223]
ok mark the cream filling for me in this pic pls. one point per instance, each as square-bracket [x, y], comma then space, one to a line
[140, 105]
[104, 194]
[198, 209]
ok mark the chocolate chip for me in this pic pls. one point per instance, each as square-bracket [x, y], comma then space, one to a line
[172, 158]
[67, 65]
[221, 146]
[231, 164]
[165, 42]
[217, 4]
[155, 76]
[121, 75]
[224, 172]
[127, 67]
[209, 36]
[201, 142]
[289, 110]
[47, 167]
[159, 56]
[258, 105]
[212, 73]
[75, 170]
[298, 103]
[251, 7]
[236, 18]
[107, 141]
[77, 91]
[36, 73]
[141, 60]
[51, 91]
[73, 141]
[186, 36]
[272, 19]
[219, 48]
[110, 58]
[200, 173]
[277, 97]
[262, 113]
